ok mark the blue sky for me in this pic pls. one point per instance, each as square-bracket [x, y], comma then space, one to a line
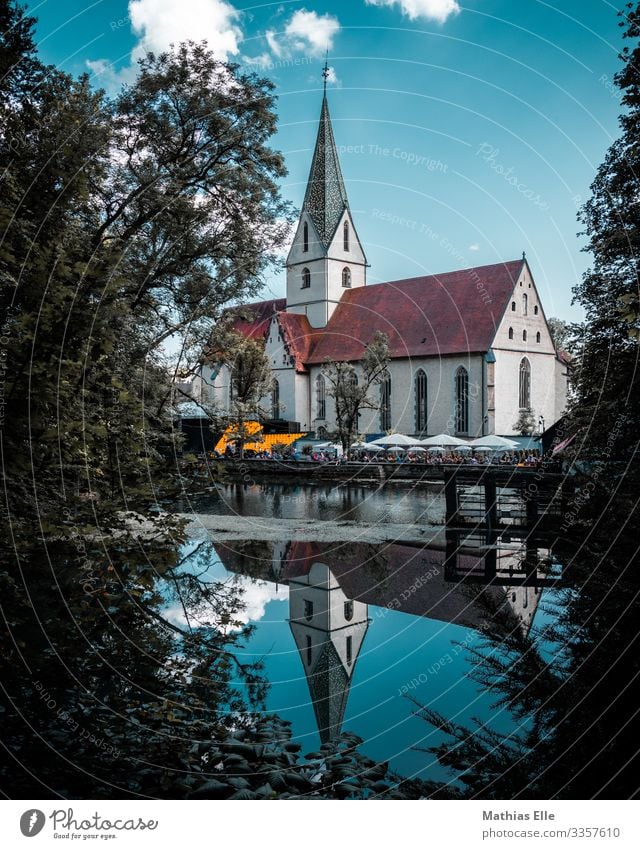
[468, 132]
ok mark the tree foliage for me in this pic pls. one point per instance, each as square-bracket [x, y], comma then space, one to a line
[125, 226]
[606, 372]
[526, 422]
[350, 387]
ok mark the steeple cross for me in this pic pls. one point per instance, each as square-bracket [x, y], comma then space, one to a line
[325, 70]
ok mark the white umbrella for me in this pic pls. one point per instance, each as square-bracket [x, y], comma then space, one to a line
[435, 450]
[371, 446]
[464, 448]
[417, 449]
[484, 448]
[494, 442]
[395, 440]
[443, 440]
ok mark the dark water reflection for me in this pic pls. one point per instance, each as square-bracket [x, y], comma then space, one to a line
[396, 504]
[349, 631]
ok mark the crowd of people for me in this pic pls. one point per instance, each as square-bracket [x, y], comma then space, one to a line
[523, 459]
[531, 458]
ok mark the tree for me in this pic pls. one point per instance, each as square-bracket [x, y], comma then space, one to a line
[123, 225]
[526, 423]
[606, 376]
[350, 388]
[561, 334]
[251, 380]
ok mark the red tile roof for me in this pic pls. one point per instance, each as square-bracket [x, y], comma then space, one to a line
[454, 313]
[258, 315]
[299, 337]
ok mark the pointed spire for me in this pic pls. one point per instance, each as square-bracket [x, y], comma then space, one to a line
[329, 686]
[326, 197]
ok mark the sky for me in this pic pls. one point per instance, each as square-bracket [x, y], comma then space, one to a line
[468, 132]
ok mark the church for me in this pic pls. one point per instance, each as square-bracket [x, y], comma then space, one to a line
[469, 349]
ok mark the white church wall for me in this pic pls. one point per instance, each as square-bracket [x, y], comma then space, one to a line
[319, 300]
[523, 332]
[441, 375]
[562, 388]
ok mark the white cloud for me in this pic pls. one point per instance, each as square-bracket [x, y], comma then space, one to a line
[312, 32]
[108, 77]
[332, 77]
[305, 32]
[256, 595]
[474, 247]
[160, 23]
[433, 10]
[272, 41]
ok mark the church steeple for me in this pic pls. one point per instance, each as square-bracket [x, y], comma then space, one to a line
[326, 256]
[329, 630]
[326, 197]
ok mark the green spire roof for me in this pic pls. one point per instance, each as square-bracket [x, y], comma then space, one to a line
[326, 197]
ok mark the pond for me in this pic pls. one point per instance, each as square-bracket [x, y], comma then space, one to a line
[354, 635]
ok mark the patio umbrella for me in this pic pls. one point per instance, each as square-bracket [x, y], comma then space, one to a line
[494, 442]
[371, 446]
[435, 449]
[417, 449]
[443, 440]
[396, 440]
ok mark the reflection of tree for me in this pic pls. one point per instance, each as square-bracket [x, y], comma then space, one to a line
[567, 683]
[106, 697]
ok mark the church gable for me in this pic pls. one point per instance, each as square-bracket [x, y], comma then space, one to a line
[307, 245]
[523, 326]
[345, 245]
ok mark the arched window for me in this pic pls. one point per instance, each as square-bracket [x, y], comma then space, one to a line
[462, 400]
[348, 610]
[524, 394]
[511, 333]
[275, 400]
[305, 237]
[535, 310]
[306, 278]
[524, 335]
[421, 401]
[385, 402]
[321, 400]
[346, 278]
[345, 235]
[538, 337]
[525, 303]
[513, 306]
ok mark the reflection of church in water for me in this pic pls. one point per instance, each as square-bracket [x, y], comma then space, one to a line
[332, 586]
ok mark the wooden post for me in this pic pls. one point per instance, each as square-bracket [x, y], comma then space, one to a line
[491, 557]
[451, 495]
[451, 555]
[490, 501]
[531, 501]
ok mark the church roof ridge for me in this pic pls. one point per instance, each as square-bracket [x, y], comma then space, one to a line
[454, 313]
[325, 198]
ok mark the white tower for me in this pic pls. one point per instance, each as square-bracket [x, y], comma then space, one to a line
[326, 257]
[329, 630]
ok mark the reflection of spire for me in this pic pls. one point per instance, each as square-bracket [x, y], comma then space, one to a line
[329, 629]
